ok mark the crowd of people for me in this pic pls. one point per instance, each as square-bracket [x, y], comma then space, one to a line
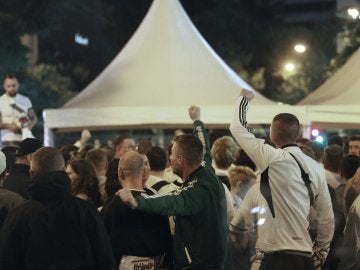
[222, 202]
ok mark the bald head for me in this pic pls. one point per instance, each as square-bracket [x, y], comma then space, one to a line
[131, 165]
[46, 159]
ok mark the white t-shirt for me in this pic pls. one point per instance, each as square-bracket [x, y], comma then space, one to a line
[166, 187]
[9, 114]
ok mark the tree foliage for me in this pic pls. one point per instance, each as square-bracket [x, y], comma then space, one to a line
[42, 83]
[251, 36]
[47, 86]
[350, 40]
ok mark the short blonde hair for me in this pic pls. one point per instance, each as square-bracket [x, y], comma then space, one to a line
[241, 174]
[224, 152]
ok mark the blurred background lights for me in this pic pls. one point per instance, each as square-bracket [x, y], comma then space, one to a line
[300, 48]
[82, 40]
[319, 139]
[315, 132]
[353, 12]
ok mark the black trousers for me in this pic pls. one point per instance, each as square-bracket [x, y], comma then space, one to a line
[284, 261]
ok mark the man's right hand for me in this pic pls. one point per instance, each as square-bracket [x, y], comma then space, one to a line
[85, 135]
[194, 112]
[126, 196]
[247, 93]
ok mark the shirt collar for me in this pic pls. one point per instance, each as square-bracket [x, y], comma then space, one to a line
[198, 169]
[289, 145]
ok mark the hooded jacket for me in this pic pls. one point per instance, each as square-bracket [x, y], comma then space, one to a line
[8, 201]
[18, 179]
[54, 230]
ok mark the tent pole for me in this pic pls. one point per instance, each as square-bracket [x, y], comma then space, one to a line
[161, 139]
[306, 129]
[48, 137]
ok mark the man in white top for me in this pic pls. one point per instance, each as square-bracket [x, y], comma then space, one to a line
[85, 137]
[285, 194]
[17, 116]
[156, 181]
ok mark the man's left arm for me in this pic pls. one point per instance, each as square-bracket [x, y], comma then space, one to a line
[200, 132]
[32, 118]
[325, 224]
[259, 152]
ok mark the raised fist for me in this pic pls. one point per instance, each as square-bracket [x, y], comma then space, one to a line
[194, 112]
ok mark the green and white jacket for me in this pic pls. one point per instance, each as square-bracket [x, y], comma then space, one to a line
[199, 207]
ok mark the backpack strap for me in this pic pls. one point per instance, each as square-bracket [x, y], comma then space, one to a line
[265, 189]
[307, 181]
[157, 186]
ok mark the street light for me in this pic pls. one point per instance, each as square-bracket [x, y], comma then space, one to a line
[300, 48]
[290, 67]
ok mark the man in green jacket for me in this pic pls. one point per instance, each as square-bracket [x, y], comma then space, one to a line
[199, 206]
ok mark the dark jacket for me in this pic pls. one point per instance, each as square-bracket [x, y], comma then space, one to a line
[54, 230]
[18, 179]
[8, 201]
[135, 233]
[112, 183]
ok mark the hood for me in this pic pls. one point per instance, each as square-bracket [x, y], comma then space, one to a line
[20, 168]
[51, 186]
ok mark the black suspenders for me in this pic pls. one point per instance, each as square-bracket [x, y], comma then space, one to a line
[266, 190]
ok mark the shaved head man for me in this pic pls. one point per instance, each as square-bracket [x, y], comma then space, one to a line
[135, 236]
[131, 168]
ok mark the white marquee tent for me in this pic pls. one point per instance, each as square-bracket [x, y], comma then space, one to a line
[336, 102]
[165, 67]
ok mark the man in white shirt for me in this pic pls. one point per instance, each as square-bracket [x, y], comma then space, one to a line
[17, 117]
[285, 194]
[156, 181]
